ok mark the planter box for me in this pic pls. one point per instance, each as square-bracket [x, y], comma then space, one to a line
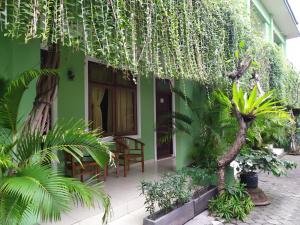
[178, 216]
[201, 201]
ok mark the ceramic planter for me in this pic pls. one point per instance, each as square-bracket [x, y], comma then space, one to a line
[201, 200]
[178, 216]
[249, 179]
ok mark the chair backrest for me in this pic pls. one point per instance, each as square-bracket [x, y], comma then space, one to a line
[121, 144]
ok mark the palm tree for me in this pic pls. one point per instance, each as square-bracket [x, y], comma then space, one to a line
[31, 188]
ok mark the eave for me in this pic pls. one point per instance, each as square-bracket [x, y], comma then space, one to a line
[283, 17]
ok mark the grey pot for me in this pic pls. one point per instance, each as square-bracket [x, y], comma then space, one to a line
[178, 216]
[201, 202]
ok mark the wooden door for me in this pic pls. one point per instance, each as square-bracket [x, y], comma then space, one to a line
[163, 119]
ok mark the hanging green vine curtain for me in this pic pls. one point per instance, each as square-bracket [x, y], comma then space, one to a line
[169, 38]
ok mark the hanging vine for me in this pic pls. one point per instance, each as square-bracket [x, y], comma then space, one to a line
[191, 39]
[174, 38]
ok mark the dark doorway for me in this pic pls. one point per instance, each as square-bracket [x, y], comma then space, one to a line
[163, 118]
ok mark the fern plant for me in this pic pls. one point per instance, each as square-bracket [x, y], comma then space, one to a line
[31, 189]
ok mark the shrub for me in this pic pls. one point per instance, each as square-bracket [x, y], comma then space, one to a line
[169, 192]
[255, 160]
[198, 176]
[234, 202]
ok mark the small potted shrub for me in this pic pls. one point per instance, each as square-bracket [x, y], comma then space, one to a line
[171, 195]
[251, 161]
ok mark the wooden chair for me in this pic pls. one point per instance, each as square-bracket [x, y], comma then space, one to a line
[127, 154]
[88, 167]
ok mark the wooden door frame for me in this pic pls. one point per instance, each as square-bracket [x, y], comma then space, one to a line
[154, 113]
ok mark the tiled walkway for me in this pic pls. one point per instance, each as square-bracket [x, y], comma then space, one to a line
[284, 193]
[126, 199]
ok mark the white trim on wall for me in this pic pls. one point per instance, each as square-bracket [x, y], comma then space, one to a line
[86, 99]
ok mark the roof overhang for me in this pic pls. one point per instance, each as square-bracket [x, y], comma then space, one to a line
[283, 17]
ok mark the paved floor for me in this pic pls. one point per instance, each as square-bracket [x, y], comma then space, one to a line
[126, 199]
[284, 193]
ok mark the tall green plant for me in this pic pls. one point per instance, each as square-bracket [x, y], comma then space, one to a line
[31, 189]
[246, 109]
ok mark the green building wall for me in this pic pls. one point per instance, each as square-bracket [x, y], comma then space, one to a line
[71, 97]
[15, 58]
[272, 32]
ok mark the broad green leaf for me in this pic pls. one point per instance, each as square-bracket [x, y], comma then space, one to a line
[235, 95]
[251, 99]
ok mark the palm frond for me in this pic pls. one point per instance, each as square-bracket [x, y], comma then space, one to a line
[73, 137]
[89, 194]
[41, 188]
[183, 96]
[10, 102]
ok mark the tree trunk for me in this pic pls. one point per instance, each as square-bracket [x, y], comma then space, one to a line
[46, 88]
[234, 150]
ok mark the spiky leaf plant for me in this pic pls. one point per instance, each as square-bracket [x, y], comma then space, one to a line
[246, 110]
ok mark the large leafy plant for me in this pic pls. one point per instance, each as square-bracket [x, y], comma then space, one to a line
[263, 160]
[246, 109]
[254, 105]
[31, 188]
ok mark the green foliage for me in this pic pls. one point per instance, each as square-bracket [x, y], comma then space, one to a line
[283, 77]
[177, 38]
[171, 191]
[255, 160]
[209, 124]
[274, 71]
[270, 130]
[9, 103]
[234, 202]
[254, 105]
[199, 177]
[31, 190]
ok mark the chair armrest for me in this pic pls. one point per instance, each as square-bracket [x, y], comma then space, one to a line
[135, 140]
[121, 143]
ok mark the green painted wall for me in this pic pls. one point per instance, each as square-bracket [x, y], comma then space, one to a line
[147, 116]
[70, 102]
[15, 58]
[271, 28]
[185, 142]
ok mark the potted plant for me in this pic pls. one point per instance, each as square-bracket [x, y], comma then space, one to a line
[178, 197]
[171, 195]
[251, 161]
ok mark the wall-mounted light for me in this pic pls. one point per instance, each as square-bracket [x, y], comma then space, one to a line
[71, 75]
